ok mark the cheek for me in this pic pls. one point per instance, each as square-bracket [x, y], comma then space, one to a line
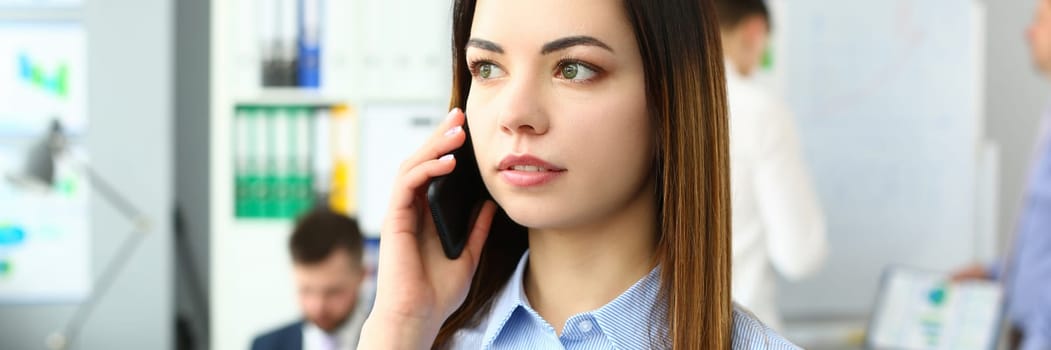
[1041, 31]
[623, 119]
[616, 138]
[482, 128]
[1043, 38]
[477, 107]
[309, 302]
[348, 298]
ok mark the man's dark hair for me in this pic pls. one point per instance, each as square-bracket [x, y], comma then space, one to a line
[732, 12]
[320, 232]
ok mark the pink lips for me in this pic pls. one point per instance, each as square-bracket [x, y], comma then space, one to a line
[528, 171]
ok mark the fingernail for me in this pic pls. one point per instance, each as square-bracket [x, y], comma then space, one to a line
[446, 157]
[452, 113]
[455, 130]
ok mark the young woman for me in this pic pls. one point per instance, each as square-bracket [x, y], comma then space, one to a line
[599, 128]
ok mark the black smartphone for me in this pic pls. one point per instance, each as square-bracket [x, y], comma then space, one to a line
[456, 198]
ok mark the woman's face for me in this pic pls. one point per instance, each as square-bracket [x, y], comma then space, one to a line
[557, 110]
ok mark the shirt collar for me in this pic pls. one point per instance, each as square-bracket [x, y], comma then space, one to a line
[635, 312]
[509, 299]
[346, 335]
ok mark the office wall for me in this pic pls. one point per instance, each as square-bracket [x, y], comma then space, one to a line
[1015, 98]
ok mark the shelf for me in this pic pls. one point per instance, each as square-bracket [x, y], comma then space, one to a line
[291, 96]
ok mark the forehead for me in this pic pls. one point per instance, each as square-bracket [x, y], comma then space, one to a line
[521, 23]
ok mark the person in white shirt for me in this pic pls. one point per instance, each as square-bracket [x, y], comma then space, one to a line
[326, 249]
[778, 226]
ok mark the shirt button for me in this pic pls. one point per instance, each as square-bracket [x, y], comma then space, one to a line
[585, 326]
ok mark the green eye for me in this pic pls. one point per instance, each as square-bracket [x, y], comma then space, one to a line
[569, 71]
[576, 71]
[485, 70]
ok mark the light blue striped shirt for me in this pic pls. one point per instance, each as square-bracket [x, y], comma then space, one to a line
[634, 320]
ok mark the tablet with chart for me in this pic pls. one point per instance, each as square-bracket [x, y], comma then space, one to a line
[924, 310]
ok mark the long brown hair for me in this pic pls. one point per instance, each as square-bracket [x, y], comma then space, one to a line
[686, 99]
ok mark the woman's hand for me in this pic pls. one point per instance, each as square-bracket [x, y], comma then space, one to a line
[418, 287]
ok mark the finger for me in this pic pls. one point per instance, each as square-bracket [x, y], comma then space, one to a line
[410, 183]
[480, 231]
[428, 237]
[448, 136]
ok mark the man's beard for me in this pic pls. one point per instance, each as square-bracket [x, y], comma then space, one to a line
[330, 328]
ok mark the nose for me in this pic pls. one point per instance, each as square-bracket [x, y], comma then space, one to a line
[522, 108]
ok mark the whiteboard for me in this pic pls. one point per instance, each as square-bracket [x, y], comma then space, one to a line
[887, 97]
[44, 228]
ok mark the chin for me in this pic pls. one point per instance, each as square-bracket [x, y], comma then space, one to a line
[538, 215]
[328, 325]
[325, 326]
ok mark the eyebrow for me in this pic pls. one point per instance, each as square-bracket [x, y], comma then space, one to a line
[485, 45]
[568, 42]
[556, 45]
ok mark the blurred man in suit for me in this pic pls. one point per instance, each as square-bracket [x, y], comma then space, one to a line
[326, 250]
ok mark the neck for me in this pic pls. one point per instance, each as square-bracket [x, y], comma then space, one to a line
[581, 269]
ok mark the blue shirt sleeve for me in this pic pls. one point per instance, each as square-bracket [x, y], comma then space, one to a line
[1038, 333]
[1035, 342]
[994, 269]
